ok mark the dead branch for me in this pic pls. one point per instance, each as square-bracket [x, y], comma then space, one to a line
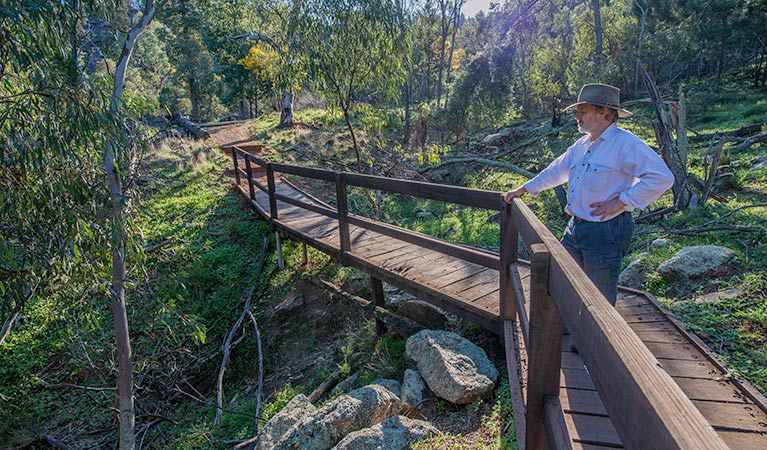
[696, 230]
[758, 205]
[158, 246]
[656, 213]
[356, 361]
[711, 172]
[260, 374]
[740, 132]
[749, 142]
[226, 346]
[73, 386]
[488, 162]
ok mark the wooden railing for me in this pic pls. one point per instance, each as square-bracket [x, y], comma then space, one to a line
[647, 408]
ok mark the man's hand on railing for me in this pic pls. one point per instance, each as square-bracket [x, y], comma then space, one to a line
[511, 195]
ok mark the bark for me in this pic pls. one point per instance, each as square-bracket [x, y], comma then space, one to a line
[455, 18]
[444, 25]
[597, 39]
[8, 324]
[194, 97]
[668, 147]
[286, 110]
[722, 44]
[127, 432]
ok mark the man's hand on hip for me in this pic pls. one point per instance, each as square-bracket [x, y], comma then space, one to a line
[608, 208]
[511, 195]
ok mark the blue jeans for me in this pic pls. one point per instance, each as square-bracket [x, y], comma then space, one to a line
[599, 248]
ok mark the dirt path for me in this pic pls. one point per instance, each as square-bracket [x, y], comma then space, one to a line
[231, 134]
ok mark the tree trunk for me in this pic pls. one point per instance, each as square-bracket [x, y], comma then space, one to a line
[408, 108]
[8, 324]
[455, 18]
[668, 147]
[597, 40]
[127, 431]
[722, 44]
[286, 114]
[194, 97]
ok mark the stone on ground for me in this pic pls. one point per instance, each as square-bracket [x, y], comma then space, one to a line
[454, 368]
[394, 433]
[697, 261]
[296, 409]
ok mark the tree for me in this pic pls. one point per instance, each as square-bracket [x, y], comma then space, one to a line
[352, 48]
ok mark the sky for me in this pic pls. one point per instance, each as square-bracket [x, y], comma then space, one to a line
[471, 7]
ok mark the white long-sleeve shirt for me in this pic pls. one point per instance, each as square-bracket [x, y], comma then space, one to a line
[616, 164]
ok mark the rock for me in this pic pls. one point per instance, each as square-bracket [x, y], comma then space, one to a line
[424, 313]
[759, 162]
[714, 297]
[660, 243]
[291, 302]
[453, 368]
[422, 214]
[394, 433]
[413, 393]
[501, 137]
[360, 408]
[392, 385]
[697, 261]
[635, 273]
[298, 408]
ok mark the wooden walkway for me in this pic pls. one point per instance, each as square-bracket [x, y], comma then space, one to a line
[578, 416]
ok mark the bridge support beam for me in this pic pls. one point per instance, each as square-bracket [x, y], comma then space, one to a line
[379, 299]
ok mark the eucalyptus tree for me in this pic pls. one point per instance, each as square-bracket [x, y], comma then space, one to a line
[353, 52]
[57, 127]
[285, 35]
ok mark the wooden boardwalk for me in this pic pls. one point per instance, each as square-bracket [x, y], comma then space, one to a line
[474, 290]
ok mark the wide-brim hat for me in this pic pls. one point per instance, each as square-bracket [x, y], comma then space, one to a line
[601, 95]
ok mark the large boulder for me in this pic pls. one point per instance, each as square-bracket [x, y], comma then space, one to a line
[424, 313]
[413, 393]
[394, 433]
[296, 409]
[453, 368]
[696, 262]
[635, 274]
[360, 408]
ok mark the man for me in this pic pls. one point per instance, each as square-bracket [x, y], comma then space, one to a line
[610, 172]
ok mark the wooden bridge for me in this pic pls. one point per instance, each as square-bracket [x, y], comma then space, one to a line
[639, 381]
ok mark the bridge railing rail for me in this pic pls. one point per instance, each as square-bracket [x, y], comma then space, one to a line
[647, 408]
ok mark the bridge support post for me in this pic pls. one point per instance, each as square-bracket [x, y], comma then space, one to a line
[544, 353]
[379, 300]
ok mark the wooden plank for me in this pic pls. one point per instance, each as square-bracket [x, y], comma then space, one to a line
[576, 379]
[739, 440]
[515, 381]
[661, 336]
[711, 390]
[675, 351]
[544, 347]
[460, 280]
[468, 254]
[596, 430]
[733, 416]
[445, 193]
[488, 285]
[581, 401]
[582, 446]
[308, 206]
[691, 369]
[508, 257]
[571, 360]
[270, 185]
[557, 434]
[518, 284]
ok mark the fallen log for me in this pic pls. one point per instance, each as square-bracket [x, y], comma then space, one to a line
[189, 126]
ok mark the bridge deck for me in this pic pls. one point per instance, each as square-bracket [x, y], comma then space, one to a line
[735, 409]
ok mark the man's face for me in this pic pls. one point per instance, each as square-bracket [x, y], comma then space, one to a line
[591, 118]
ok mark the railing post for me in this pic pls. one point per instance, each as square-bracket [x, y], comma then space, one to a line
[508, 251]
[270, 186]
[343, 211]
[249, 171]
[544, 353]
[236, 168]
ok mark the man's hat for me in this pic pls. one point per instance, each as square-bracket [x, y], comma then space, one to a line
[601, 95]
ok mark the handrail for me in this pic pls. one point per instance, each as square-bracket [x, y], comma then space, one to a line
[622, 368]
